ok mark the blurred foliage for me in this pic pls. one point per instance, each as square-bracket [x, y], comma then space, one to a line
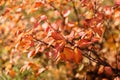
[21, 15]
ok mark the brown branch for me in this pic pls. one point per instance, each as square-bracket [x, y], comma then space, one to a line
[63, 18]
[98, 60]
[44, 43]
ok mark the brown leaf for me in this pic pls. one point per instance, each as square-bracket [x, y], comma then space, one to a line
[108, 70]
[101, 69]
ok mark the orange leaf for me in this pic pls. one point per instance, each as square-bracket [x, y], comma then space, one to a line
[77, 55]
[69, 53]
[95, 39]
[31, 54]
[62, 56]
[57, 36]
[12, 73]
[37, 4]
[98, 31]
[83, 43]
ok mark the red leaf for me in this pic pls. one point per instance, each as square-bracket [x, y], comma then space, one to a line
[59, 46]
[95, 39]
[57, 36]
[98, 30]
[83, 43]
[38, 4]
[36, 24]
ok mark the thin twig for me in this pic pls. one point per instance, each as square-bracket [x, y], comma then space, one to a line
[76, 12]
[63, 18]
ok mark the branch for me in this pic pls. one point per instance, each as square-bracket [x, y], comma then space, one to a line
[63, 18]
[98, 60]
[44, 43]
[76, 12]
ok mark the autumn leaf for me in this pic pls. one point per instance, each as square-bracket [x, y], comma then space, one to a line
[62, 56]
[38, 4]
[57, 36]
[77, 55]
[98, 31]
[83, 43]
[101, 69]
[66, 13]
[95, 39]
[31, 54]
[108, 70]
[40, 71]
[117, 2]
[11, 73]
[68, 54]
